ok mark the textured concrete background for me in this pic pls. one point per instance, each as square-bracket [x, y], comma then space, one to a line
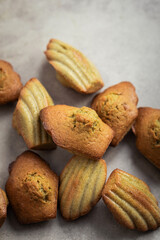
[122, 38]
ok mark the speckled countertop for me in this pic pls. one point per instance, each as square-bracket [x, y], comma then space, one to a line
[122, 38]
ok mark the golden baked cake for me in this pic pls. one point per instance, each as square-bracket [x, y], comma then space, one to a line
[81, 184]
[3, 206]
[117, 107]
[147, 131]
[32, 189]
[26, 120]
[131, 202]
[10, 83]
[79, 130]
[73, 69]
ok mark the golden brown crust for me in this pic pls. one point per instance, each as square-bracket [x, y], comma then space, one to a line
[32, 189]
[10, 83]
[3, 207]
[147, 131]
[73, 69]
[26, 121]
[131, 202]
[81, 184]
[78, 130]
[116, 106]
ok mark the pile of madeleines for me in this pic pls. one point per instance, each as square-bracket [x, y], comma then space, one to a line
[32, 187]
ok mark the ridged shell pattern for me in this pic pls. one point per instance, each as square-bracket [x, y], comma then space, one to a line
[131, 202]
[73, 68]
[26, 120]
[81, 184]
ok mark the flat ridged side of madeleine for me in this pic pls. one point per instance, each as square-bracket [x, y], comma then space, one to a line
[73, 69]
[131, 202]
[26, 119]
[81, 184]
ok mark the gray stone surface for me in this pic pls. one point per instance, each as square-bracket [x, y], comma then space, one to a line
[122, 38]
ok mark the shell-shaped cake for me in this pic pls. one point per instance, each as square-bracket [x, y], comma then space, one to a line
[81, 184]
[32, 189]
[26, 119]
[117, 107]
[131, 202]
[73, 69]
[147, 131]
[10, 83]
[79, 130]
[3, 206]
